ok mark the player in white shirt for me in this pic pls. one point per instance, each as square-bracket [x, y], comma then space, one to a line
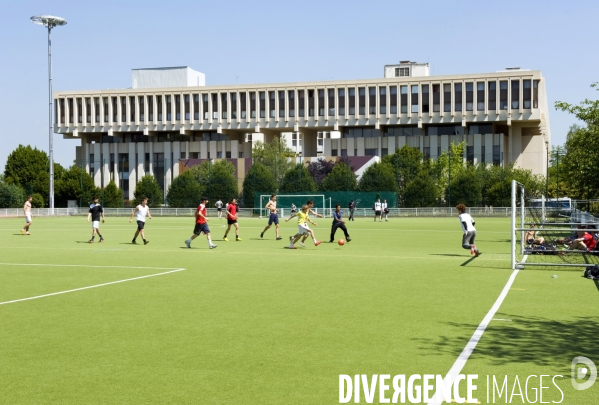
[385, 210]
[141, 212]
[219, 207]
[377, 210]
[469, 230]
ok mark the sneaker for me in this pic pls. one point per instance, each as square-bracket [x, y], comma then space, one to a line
[348, 239]
[134, 242]
[90, 241]
[291, 247]
[302, 244]
[146, 242]
[27, 233]
[477, 253]
[331, 241]
[188, 243]
[225, 239]
[279, 238]
[23, 231]
[472, 249]
[318, 242]
[101, 240]
[212, 246]
[261, 235]
[238, 239]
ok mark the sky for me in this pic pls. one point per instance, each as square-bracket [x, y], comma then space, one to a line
[284, 41]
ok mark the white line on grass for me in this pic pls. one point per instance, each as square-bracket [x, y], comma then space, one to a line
[86, 266]
[91, 286]
[457, 367]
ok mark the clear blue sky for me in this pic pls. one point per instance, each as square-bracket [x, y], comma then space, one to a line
[284, 41]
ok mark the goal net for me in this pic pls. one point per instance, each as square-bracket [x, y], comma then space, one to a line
[551, 232]
[285, 202]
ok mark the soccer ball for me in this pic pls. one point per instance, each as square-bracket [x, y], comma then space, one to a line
[341, 242]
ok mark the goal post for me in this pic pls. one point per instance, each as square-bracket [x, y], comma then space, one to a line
[284, 202]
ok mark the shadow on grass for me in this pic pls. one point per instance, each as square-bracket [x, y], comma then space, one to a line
[596, 284]
[446, 254]
[540, 341]
[84, 241]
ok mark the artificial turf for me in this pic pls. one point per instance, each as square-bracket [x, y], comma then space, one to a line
[252, 322]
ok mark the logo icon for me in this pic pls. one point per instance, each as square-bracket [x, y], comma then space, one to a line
[581, 368]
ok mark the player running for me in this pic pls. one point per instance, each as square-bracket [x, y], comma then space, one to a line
[201, 225]
[95, 213]
[468, 229]
[27, 212]
[338, 222]
[273, 217]
[232, 220]
[303, 230]
[140, 212]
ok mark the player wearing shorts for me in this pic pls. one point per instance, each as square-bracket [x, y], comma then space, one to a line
[232, 220]
[303, 218]
[95, 213]
[201, 225]
[377, 210]
[141, 212]
[27, 212]
[273, 218]
[219, 208]
[468, 229]
[310, 205]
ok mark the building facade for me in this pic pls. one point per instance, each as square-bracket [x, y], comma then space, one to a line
[127, 133]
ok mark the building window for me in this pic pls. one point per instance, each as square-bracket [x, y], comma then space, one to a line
[205, 106]
[469, 96]
[301, 101]
[253, 104]
[397, 72]
[447, 97]
[352, 100]
[291, 96]
[492, 95]
[243, 102]
[150, 108]
[441, 130]
[402, 71]
[105, 102]
[187, 107]
[115, 113]
[147, 163]
[535, 94]
[470, 154]
[310, 103]
[343, 152]
[480, 96]
[361, 100]
[384, 151]
[92, 164]
[70, 103]
[393, 99]
[331, 102]
[233, 105]
[158, 168]
[503, 95]
[426, 152]
[111, 166]
[482, 154]
[457, 96]
[224, 105]
[321, 103]
[271, 104]
[480, 129]
[97, 109]
[333, 152]
[132, 108]
[383, 99]
[142, 108]
[177, 107]
[79, 111]
[370, 152]
[404, 99]
[496, 155]
[169, 105]
[262, 104]
[372, 100]
[414, 98]
[281, 103]
[61, 113]
[526, 94]
[88, 112]
[341, 100]
[515, 94]
[436, 98]
[425, 98]
[123, 109]
[361, 132]
[214, 106]
[196, 106]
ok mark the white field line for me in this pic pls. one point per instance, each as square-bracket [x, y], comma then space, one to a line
[91, 286]
[86, 266]
[459, 364]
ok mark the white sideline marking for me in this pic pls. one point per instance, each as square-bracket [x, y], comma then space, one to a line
[86, 266]
[91, 286]
[463, 357]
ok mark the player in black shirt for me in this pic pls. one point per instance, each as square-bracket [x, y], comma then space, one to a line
[95, 213]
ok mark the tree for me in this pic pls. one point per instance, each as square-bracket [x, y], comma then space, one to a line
[587, 111]
[421, 191]
[466, 187]
[113, 196]
[341, 178]
[184, 191]
[216, 179]
[76, 184]
[580, 163]
[148, 187]
[319, 169]
[298, 180]
[11, 195]
[257, 179]
[406, 163]
[274, 156]
[378, 177]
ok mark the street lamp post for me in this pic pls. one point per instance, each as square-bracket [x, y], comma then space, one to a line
[50, 22]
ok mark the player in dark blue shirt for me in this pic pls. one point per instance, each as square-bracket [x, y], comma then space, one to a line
[338, 222]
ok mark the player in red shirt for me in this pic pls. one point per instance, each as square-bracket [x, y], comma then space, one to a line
[201, 225]
[232, 220]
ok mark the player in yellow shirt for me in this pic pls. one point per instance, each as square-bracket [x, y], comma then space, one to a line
[302, 224]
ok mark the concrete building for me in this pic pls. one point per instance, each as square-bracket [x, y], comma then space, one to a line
[126, 133]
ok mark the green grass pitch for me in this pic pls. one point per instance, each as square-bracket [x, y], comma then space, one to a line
[251, 322]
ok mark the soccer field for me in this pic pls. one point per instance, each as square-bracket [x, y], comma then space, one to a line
[252, 322]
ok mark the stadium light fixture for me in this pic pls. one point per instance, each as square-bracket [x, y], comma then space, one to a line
[50, 22]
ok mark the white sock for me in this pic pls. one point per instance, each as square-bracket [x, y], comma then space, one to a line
[209, 241]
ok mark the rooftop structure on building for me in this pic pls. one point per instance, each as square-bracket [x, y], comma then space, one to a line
[170, 114]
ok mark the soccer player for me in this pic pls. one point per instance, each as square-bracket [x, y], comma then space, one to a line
[338, 222]
[140, 212]
[27, 212]
[310, 205]
[293, 208]
[219, 208]
[352, 207]
[232, 220]
[377, 210]
[271, 206]
[302, 218]
[201, 225]
[95, 213]
[468, 229]
[385, 210]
